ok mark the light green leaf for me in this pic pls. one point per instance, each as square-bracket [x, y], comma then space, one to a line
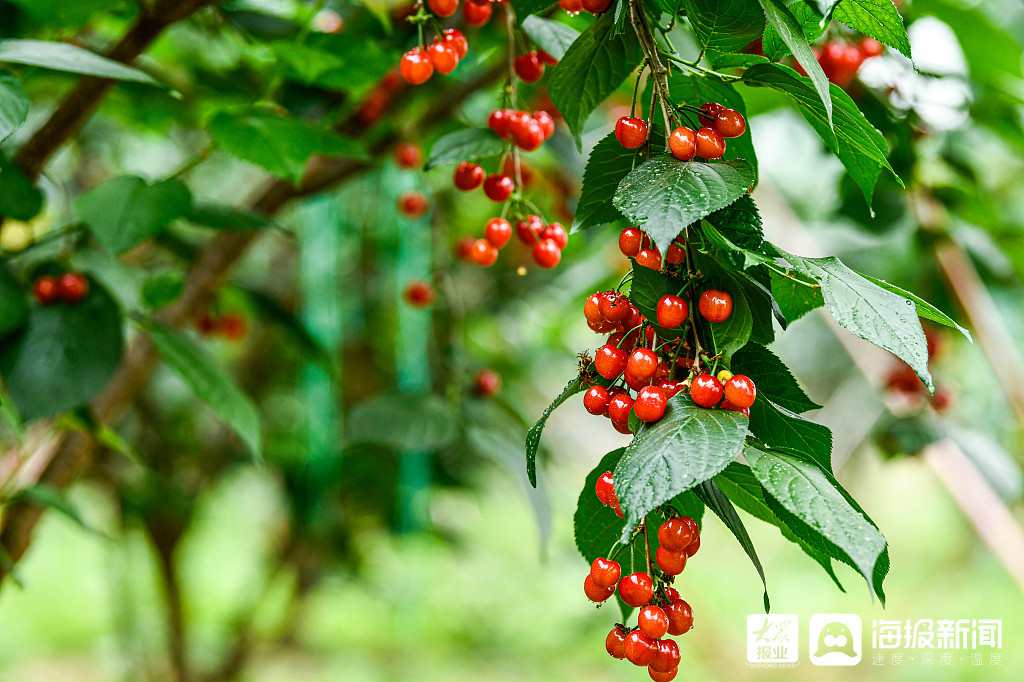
[924, 308]
[795, 294]
[67, 57]
[126, 210]
[876, 18]
[13, 105]
[404, 422]
[810, 20]
[553, 37]
[725, 25]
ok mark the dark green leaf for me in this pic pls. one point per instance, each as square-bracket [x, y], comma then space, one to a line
[725, 25]
[730, 61]
[810, 20]
[64, 355]
[533, 435]
[13, 303]
[876, 18]
[553, 37]
[67, 57]
[772, 378]
[126, 210]
[471, 144]
[688, 445]
[19, 198]
[795, 294]
[924, 308]
[13, 105]
[608, 164]
[163, 288]
[525, 8]
[664, 195]
[592, 68]
[221, 217]
[406, 423]
[740, 223]
[780, 428]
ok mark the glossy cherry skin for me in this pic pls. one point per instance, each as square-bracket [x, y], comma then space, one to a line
[630, 241]
[498, 231]
[667, 658]
[683, 143]
[596, 400]
[726, 405]
[610, 361]
[476, 15]
[705, 390]
[672, 311]
[596, 6]
[595, 593]
[408, 156]
[605, 489]
[498, 121]
[498, 187]
[464, 249]
[468, 176]
[528, 230]
[740, 391]
[631, 132]
[710, 111]
[671, 563]
[73, 287]
[694, 546]
[710, 144]
[605, 573]
[671, 594]
[530, 136]
[484, 253]
[694, 528]
[614, 307]
[653, 621]
[615, 642]
[602, 327]
[486, 383]
[413, 205]
[46, 290]
[619, 408]
[730, 123]
[714, 305]
[557, 234]
[443, 8]
[675, 254]
[669, 387]
[662, 677]
[650, 404]
[642, 363]
[674, 535]
[544, 120]
[546, 253]
[636, 589]
[592, 307]
[571, 6]
[418, 294]
[529, 67]
[680, 617]
[546, 58]
[456, 39]
[649, 258]
[443, 56]
[639, 648]
[416, 67]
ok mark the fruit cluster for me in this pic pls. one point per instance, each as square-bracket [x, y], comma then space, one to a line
[545, 241]
[841, 60]
[231, 326]
[443, 55]
[707, 142]
[592, 6]
[71, 288]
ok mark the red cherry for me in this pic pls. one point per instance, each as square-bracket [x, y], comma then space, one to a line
[649, 258]
[205, 324]
[630, 241]
[869, 47]
[633, 382]
[642, 363]
[694, 528]
[650, 404]
[476, 15]
[710, 110]
[726, 405]
[602, 327]
[730, 123]
[680, 617]
[615, 642]
[710, 144]
[636, 589]
[416, 66]
[662, 677]
[464, 249]
[672, 311]
[72, 287]
[545, 121]
[408, 156]
[468, 176]
[498, 121]
[596, 6]
[498, 187]
[443, 56]
[592, 307]
[529, 67]
[571, 6]
[619, 408]
[546, 253]
[605, 572]
[614, 307]
[623, 428]
[653, 621]
[674, 535]
[610, 361]
[942, 399]
[606, 490]
[530, 136]
[631, 132]
[233, 326]
[714, 305]
[595, 593]
[667, 659]
[694, 546]
[529, 230]
[443, 8]
[675, 254]
[596, 400]
[486, 383]
[484, 253]
[556, 233]
[418, 294]
[671, 563]
[546, 58]
[413, 205]
[498, 231]
[669, 388]
[457, 40]
[639, 648]
[705, 390]
[671, 594]
[683, 143]
[740, 391]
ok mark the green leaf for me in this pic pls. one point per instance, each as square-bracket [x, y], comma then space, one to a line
[221, 217]
[811, 23]
[608, 164]
[404, 422]
[886, 319]
[717, 501]
[592, 68]
[13, 105]
[697, 90]
[64, 355]
[19, 198]
[740, 223]
[688, 445]
[924, 308]
[280, 145]
[734, 333]
[792, 34]
[732, 61]
[525, 8]
[780, 428]
[471, 144]
[209, 382]
[772, 378]
[13, 303]
[126, 210]
[795, 294]
[725, 25]
[533, 435]
[817, 499]
[553, 37]
[67, 57]
[163, 288]
[46, 496]
[664, 195]
[307, 64]
[876, 18]
[646, 290]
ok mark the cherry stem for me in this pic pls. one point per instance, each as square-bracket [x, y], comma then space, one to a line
[636, 91]
[647, 545]
[659, 73]
[510, 23]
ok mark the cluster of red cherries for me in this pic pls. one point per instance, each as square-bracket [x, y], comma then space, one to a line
[841, 60]
[545, 241]
[592, 6]
[71, 288]
[231, 326]
[443, 55]
[717, 123]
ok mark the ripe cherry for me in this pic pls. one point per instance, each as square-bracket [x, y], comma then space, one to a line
[484, 253]
[669, 388]
[233, 326]
[649, 258]
[605, 573]
[571, 6]
[671, 563]
[602, 327]
[418, 294]
[547, 59]
[544, 120]
[614, 307]
[464, 249]
[662, 677]
[498, 187]
[653, 621]
[455, 37]
[694, 528]
[486, 383]
[596, 400]
[710, 144]
[710, 111]
[615, 642]
[413, 205]
[72, 287]
[529, 68]
[683, 143]
[705, 390]
[680, 617]
[592, 307]
[730, 123]
[631, 132]
[642, 363]
[667, 659]
[530, 136]
[633, 382]
[596, 6]
[595, 593]
[869, 47]
[529, 229]
[610, 361]
[443, 8]
[672, 311]
[639, 648]
[630, 241]
[443, 56]
[740, 391]
[498, 231]
[606, 490]
[623, 428]
[636, 589]
[675, 254]
[468, 176]
[476, 15]
[498, 121]
[714, 305]
[619, 408]
[416, 66]
[408, 156]
[726, 405]
[694, 546]
[650, 404]
[671, 594]
[556, 233]
[674, 535]
[546, 253]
